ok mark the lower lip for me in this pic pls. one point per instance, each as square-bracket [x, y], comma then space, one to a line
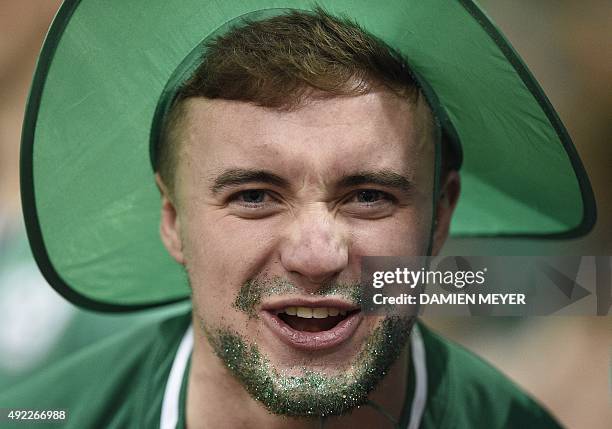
[312, 341]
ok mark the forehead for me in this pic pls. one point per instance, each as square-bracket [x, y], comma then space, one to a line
[322, 138]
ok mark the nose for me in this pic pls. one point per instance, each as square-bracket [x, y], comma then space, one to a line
[315, 247]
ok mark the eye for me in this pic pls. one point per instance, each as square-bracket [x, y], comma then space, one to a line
[370, 196]
[254, 203]
[370, 204]
[252, 196]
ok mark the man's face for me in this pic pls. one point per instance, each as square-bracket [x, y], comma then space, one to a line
[274, 211]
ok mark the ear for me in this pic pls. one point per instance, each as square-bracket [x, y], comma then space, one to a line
[447, 201]
[169, 226]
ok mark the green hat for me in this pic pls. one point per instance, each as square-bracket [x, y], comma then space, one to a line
[90, 202]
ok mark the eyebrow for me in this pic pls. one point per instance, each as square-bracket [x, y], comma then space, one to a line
[240, 176]
[386, 178]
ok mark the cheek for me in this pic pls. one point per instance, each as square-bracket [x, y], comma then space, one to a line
[405, 234]
[221, 254]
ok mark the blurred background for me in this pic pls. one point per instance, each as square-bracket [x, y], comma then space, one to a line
[563, 361]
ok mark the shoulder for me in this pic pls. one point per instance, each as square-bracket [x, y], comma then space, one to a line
[465, 391]
[105, 381]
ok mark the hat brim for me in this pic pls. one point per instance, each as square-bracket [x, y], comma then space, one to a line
[89, 199]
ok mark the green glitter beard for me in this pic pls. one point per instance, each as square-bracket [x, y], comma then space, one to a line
[313, 394]
[251, 293]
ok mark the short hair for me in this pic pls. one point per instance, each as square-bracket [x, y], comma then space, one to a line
[284, 61]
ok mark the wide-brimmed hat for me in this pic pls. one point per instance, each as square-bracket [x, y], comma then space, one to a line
[90, 202]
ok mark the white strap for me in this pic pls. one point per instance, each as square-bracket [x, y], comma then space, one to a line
[170, 403]
[420, 373]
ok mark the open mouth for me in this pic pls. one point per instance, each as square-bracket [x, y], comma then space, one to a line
[312, 326]
[307, 319]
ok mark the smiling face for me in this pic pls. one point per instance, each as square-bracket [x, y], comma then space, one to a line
[271, 213]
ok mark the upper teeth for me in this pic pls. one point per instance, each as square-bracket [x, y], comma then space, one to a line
[309, 313]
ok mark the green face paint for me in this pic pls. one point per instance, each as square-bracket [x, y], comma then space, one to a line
[253, 291]
[313, 393]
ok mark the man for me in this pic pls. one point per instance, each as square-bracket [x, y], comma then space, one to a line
[286, 146]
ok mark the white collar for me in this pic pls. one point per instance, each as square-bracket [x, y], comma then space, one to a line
[170, 403]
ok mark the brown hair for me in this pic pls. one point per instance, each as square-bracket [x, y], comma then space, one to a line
[283, 61]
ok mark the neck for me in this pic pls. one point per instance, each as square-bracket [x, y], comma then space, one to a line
[216, 399]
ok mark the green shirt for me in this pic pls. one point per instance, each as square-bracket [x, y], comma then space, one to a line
[126, 381]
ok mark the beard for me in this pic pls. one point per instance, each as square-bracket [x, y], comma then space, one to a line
[311, 393]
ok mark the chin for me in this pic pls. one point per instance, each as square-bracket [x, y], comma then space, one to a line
[305, 381]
